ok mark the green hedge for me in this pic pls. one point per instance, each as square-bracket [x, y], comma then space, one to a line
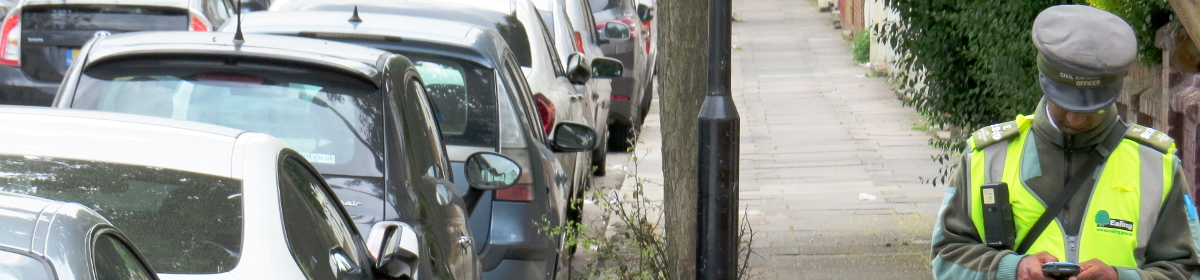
[1145, 16]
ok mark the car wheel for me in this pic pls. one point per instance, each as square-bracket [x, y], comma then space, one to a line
[647, 97]
[600, 156]
[621, 137]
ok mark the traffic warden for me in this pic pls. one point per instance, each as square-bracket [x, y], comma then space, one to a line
[1073, 182]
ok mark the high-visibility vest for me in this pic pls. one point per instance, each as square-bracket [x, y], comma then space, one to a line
[1123, 207]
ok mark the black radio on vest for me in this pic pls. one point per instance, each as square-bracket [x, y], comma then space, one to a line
[997, 216]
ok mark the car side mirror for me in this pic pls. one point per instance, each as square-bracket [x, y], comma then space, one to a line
[578, 69]
[491, 171]
[572, 137]
[395, 248]
[615, 31]
[603, 67]
[645, 12]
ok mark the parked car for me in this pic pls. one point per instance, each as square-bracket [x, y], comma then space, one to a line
[360, 115]
[574, 34]
[555, 98]
[483, 104]
[40, 39]
[47, 239]
[625, 34]
[200, 201]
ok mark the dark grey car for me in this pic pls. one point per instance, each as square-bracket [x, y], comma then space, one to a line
[42, 239]
[625, 34]
[40, 39]
[484, 105]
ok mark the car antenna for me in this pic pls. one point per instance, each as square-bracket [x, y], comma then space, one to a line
[238, 39]
[354, 18]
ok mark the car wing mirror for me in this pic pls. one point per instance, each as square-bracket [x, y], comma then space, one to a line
[645, 13]
[572, 137]
[491, 171]
[614, 31]
[578, 69]
[603, 67]
[395, 248]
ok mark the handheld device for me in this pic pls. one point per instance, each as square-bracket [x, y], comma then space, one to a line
[998, 226]
[1060, 270]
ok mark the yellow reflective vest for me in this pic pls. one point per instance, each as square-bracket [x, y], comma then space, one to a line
[1123, 208]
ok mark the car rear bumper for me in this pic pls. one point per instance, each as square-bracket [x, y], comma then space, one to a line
[16, 88]
[517, 235]
[624, 111]
[517, 269]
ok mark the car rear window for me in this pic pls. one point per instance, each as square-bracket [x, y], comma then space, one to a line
[329, 117]
[600, 5]
[464, 100]
[104, 17]
[182, 222]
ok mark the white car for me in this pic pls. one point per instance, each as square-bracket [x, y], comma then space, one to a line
[575, 37]
[199, 201]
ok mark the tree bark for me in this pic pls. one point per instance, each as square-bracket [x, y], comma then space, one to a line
[683, 84]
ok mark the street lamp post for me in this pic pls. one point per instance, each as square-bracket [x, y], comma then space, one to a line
[717, 167]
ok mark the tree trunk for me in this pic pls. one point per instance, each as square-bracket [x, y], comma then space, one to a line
[683, 84]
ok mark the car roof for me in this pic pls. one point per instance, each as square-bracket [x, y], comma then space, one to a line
[349, 58]
[118, 138]
[167, 3]
[425, 26]
[19, 224]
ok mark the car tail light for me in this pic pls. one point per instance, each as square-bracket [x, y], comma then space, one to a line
[10, 41]
[198, 25]
[646, 27]
[546, 110]
[579, 42]
[618, 97]
[518, 192]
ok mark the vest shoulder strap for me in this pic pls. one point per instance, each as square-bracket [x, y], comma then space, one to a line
[993, 134]
[1150, 137]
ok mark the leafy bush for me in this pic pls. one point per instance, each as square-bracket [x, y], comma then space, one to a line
[861, 46]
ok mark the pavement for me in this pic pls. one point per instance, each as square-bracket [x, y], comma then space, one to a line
[831, 165]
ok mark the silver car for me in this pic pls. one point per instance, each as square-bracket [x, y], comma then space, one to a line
[201, 201]
[47, 239]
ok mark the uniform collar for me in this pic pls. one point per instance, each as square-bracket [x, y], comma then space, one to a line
[1044, 128]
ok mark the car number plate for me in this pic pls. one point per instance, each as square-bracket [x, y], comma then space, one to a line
[70, 56]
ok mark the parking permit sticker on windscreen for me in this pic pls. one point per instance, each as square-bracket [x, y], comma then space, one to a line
[319, 158]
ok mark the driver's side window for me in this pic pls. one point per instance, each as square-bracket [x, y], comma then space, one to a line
[114, 260]
[317, 233]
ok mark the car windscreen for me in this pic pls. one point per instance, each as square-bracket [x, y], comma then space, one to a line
[103, 17]
[464, 100]
[19, 266]
[329, 117]
[182, 222]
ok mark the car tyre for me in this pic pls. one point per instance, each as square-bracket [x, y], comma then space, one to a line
[621, 137]
[600, 156]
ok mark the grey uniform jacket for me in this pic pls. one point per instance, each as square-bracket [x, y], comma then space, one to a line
[959, 253]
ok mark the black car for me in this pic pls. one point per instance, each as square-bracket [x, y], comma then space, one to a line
[483, 104]
[359, 115]
[40, 39]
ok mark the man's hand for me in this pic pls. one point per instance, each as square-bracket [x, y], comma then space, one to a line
[1095, 269]
[1030, 267]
